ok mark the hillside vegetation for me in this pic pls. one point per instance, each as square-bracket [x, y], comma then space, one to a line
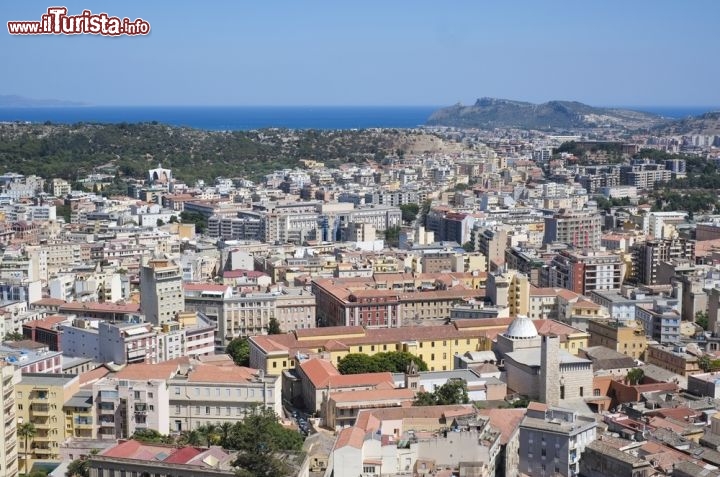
[70, 151]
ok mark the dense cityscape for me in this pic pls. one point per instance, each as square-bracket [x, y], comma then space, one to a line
[486, 302]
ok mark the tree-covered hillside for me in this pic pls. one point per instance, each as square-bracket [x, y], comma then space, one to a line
[70, 151]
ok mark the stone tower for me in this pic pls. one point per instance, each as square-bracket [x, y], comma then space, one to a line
[550, 385]
[412, 376]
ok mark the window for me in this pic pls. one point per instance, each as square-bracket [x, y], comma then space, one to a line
[177, 391]
[596, 392]
[207, 410]
[274, 364]
[581, 391]
[562, 392]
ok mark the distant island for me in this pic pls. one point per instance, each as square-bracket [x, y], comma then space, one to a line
[16, 101]
[490, 113]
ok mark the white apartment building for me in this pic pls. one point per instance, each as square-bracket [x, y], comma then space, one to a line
[9, 377]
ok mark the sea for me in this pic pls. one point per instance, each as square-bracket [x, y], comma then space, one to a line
[233, 118]
[228, 118]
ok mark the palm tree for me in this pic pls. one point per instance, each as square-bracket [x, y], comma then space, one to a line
[634, 376]
[27, 431]
[189, 438]
[225, 429]
[210, 433]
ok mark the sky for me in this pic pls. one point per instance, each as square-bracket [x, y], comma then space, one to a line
[345, 52]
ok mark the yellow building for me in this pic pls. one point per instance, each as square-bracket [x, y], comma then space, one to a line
[40, 399]
[9, 377]
[623, 338]
[436, 345]
[519, 294]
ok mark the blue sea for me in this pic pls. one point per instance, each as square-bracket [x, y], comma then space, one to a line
[225, 118]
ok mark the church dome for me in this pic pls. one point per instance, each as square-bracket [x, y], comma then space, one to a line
[521, 328]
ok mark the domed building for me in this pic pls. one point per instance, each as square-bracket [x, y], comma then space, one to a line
[538, 368]
[521, 334]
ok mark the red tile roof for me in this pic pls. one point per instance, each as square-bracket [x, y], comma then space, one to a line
[504, 420]
[100, 307]
[352, 437]
[205, 287]
[47, 322]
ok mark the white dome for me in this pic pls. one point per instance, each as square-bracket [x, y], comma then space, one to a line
[521, 328]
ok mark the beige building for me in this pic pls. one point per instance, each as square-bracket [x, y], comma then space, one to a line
[623, 338]
[213, 393]
[9, 378]
[249, 314]
[41, 399]
[673, 358]
[161, 291]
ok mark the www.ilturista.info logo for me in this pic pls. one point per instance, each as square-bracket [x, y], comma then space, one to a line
[57, 22]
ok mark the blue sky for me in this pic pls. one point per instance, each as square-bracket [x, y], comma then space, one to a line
[374, 53]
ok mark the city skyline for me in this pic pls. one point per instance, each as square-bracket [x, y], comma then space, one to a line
[328, 54]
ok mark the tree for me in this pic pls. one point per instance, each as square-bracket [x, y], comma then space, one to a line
[80, 467]
[409, 212]
[159, 222]
[469, 247]
[224, 430]
[392, 236]
[424, 398]
[424, 210]
[27, 431]
[151, 436]
[357, 363]
[635, 376]
[239, 350]
[392, 361]
[454, 391]
[194, 218]
[705, 363]
[260, 440]
[173, 219]
[210, 434]
[14, 336]
[189, 438]
[273, 327]
[701, 319]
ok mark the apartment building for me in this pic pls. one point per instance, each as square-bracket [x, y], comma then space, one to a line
[576, 228]
[9, 379]
[40, 399]
[552, 440]
[392, 301]
[161, 291]
[619, 336]
[647, 256]
[249, 313]
[583, 272]
[128, 401]
[416, 441]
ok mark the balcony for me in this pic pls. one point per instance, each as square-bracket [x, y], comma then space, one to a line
[141, 408]
[42, 451]
[85, 425]
[37, 410]
[41, 438]
[107, 410]
[43, 425]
